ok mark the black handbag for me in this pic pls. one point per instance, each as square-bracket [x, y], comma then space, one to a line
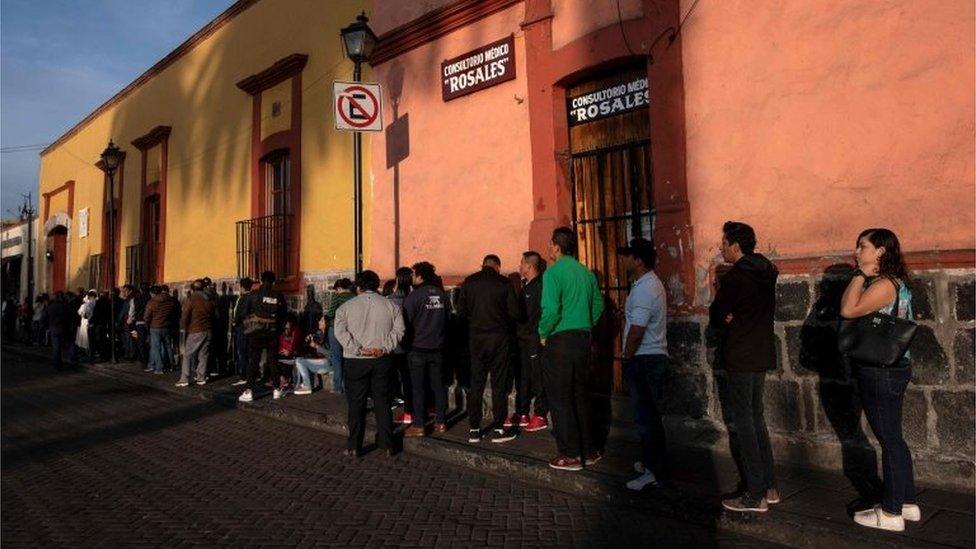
[877, 339]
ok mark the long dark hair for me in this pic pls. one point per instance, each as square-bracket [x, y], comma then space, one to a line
[404, 281]
[892, 262]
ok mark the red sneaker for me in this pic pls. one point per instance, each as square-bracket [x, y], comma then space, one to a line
[536, 423]
[523, 421]
[511, 421]
[564, 463]
[402, 418]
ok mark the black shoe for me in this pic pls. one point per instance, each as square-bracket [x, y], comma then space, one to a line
[474, 435]
[503, 435]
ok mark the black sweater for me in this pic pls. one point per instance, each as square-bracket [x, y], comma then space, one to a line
[747, 292]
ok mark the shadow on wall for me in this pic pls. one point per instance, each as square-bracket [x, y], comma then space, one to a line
[836, 388]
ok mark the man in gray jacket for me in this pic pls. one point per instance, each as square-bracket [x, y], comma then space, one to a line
[369, 327]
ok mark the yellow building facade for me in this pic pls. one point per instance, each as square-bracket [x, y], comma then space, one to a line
[232, 164]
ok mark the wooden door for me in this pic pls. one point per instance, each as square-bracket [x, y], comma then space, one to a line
[59, 267]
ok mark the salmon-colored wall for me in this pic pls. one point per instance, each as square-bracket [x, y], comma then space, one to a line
[466, 187]
[813, 120]
[575, 18]
[389, 14]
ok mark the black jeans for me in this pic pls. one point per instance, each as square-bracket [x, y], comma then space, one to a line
[567, 373]
[241, 356]
[366, 377]
[400, 386]
[427, 365]
[530, 379]
[742, 404]
[142, 343]
[882, 395]
[489, 355]
[645, 376]
[255, 349]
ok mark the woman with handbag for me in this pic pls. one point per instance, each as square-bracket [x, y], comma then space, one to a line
[877, 340]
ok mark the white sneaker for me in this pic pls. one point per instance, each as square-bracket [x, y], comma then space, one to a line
[182, 384]
[246, 396]
[276, 394]
[303, 390]
[201, 382]
[646, 479]
[240, 382]
[876, 518]
[912, 512]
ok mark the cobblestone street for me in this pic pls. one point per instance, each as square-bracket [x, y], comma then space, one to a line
[89, 460]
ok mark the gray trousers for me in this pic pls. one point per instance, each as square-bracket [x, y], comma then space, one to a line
[195, 354]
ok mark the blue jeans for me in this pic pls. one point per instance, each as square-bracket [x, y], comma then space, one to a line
[160, 345]
[645, 375]
[305, 367]
[882, 395]
[335, 357]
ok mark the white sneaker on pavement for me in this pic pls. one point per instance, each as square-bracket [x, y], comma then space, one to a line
[876, 518]
[303, 390]
[646, 479]
[182, 383]
[246, 396]
[912, 512]
[201, 382]
[240, 382]
[276, 394]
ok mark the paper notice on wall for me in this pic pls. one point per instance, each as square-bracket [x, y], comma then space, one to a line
[83, 222]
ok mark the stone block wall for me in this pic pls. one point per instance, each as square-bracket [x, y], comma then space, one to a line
[812, 405]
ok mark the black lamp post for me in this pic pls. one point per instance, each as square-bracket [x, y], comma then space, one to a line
[111, 158]
[27, 214]
[359, 42]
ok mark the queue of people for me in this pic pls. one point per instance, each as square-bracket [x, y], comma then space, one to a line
[398, 347]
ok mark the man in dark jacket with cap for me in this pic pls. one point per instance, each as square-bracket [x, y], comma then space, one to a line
[742, 315]
[61, 325]
[263, 316]
[488, 302]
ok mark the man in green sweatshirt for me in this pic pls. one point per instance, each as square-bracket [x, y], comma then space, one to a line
[571, 305]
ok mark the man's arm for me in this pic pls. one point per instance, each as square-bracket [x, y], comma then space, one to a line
[185, 317]
[462, 302]
[512, 303]
[396, 334]
[597, 305]
[723, 304]
[342, 333]
[550, 305]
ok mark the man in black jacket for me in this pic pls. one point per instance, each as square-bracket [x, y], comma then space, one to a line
[265, 309]
[488, 302]
[530, 371]
[742, 315]
[425, 312]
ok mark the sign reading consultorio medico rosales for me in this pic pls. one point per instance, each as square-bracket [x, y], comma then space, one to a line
[608, 101]
[479, 69]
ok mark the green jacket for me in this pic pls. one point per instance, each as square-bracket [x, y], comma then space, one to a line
[571, 298]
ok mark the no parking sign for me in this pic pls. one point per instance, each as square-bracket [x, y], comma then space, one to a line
[357, 106]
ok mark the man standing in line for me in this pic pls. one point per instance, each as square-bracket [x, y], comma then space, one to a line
[240, 339]
[369, 327]
[159, 318]
[263, 315]
[571, 306]
[197, 321]
[488, 302]
[742, 314]
[342, 292]
[61, 321]
[425, 312]
[136, 323]
[530, 374]
[645, 356]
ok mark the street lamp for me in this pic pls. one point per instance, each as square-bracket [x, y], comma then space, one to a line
[358, 41]
[111, 158]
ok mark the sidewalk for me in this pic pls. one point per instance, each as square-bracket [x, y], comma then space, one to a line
[813, 513]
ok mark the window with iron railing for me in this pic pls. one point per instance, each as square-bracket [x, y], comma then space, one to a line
[97, 272]
[265, 244]
[140, 263]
